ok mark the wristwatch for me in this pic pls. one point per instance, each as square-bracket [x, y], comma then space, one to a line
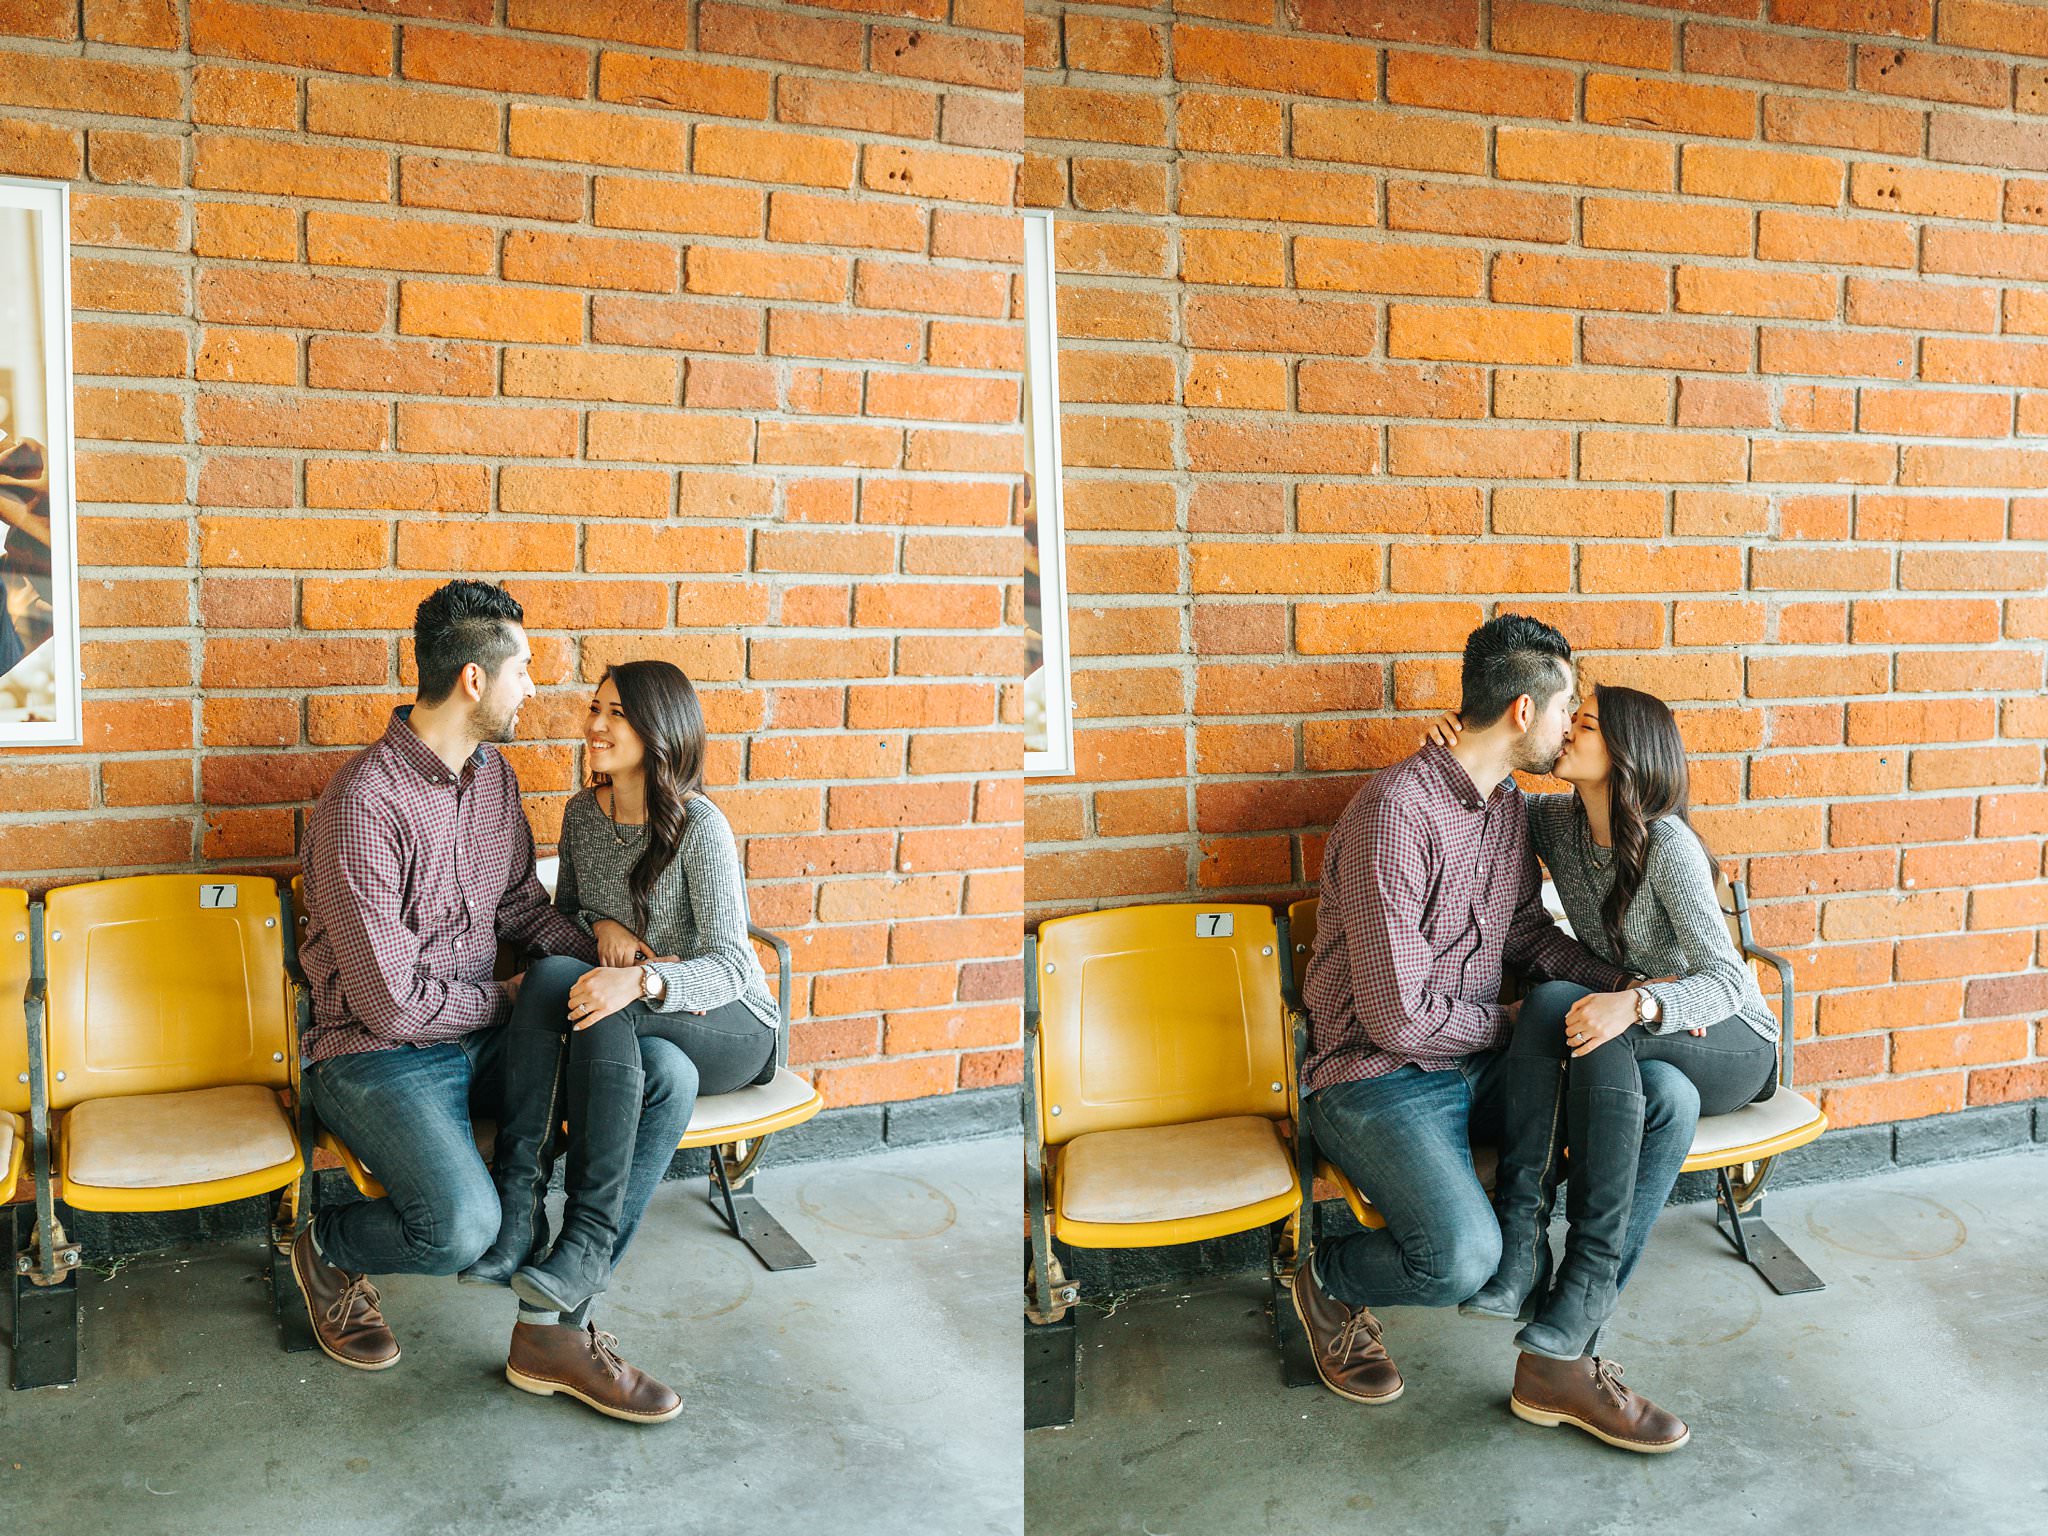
[1646, 1006]
[651, 986]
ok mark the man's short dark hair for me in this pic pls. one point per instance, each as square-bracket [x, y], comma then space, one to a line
[1506, 657]
[463, 622]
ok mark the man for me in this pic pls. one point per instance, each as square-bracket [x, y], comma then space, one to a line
[417, 861]
[1429, 887]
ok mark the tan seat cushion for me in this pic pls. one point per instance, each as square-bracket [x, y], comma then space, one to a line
[1171, 1172]
[155, 1140]
[785, 1091]
[11, 1133]
[1781, 1114]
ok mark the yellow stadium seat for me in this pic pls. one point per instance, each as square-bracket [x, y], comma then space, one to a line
[1739, 1148]
[1159, 1095]
[167, 1066]
[734, 1126]
[169, 1042]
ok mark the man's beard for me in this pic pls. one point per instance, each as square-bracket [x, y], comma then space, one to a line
[497, 728]
[1527, 761]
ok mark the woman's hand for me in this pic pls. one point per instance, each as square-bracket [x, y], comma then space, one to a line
[601, 993]
[1597, 1018]
[1444, 729]
[617, 944]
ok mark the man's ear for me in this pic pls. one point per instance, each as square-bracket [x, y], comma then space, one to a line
[472, 681]
[1523, 712]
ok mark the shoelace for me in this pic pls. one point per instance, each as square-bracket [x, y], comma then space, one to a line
[1608, 1375]
[1346, 1338]
[357, 1290]
[604, 1349]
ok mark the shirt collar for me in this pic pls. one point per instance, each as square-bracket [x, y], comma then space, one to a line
[1459, 782]
[402, 739]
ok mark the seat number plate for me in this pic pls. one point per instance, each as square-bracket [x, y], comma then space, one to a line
[218, 895]
[1215, 925]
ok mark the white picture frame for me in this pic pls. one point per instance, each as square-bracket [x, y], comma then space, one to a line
[41, 702]
[1048, 683]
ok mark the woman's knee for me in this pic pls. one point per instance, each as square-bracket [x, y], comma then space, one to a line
[1611, 1064]
[1539, 1023]
[671, 1075]
[554, 971]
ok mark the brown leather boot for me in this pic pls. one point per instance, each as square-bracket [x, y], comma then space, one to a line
[1587, 1394]
[1346, 1341]
[549, 1358]
[346, 1323]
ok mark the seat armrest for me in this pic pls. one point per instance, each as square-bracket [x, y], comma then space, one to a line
[780, 945]
[1783, 967]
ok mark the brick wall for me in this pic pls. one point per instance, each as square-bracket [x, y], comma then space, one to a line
[694, 322]
[1706, 335]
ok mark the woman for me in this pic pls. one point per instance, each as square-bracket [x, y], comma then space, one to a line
[649, 866]
[1637, 882]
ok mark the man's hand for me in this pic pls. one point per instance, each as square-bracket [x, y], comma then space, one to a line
[512, 984]
[601, 993]
[1513, 1011]
[617, 944]
[1597, 1018]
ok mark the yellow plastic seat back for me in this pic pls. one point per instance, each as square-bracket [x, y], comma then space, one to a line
[14, 968]
[163, 983]
[1159, 1015]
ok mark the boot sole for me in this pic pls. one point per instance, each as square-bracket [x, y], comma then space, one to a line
[534, 1294]
[466, 1278]
[540, 1387]
[1550, 1419]
[313, 1317]
[1466, 1309]
[1294, 1299]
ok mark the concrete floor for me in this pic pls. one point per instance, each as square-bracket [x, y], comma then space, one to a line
[1909, 1396]
[876, 1392]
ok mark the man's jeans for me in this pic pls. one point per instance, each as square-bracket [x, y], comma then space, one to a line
[1405, 1139]
[406, 1114]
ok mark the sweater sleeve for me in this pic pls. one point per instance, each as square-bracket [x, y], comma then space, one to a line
[718, 972]
[1681, 879]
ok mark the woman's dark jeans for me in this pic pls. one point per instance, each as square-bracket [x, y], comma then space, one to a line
[716, 1052]
[1730, 1064]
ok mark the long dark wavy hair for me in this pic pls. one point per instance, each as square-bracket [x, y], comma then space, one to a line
[1648, 780]
[662, 708]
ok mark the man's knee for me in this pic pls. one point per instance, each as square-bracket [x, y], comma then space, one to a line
[1458, 1269]
[1671, 1102]
[452, 1233]
[671, 1077]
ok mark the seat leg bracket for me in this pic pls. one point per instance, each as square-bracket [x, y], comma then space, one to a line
[45, 1306]
[1759, 1245]
[752, 1223]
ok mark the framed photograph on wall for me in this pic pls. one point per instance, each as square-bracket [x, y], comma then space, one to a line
[1048, 693]
[39, 682]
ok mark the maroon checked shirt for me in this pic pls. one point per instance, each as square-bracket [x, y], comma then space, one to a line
[412, 876]
[1426, 892]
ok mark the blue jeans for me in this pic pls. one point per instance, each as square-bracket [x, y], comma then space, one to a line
[406, 1113]
[1405, 1139]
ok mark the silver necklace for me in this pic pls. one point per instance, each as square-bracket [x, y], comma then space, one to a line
[618, 832]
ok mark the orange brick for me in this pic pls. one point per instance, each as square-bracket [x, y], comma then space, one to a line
[1578, 282]
[1357, 135]
[1219, 189]
[1421, 79]
[495, 63]
[1477, 335]
[489, 312]
[593, 137]
[1834, 239]
[946, 175]
[1489, 212]
[468, 186]
[1582, 159]
[1478, 452]
[228, 163]
[1675, 106]
[1301, 67]
[1693, 228]
[309, 40]
[400, 114]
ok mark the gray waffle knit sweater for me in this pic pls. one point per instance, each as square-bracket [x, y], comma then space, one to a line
[1673, 927]
[698, 909]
